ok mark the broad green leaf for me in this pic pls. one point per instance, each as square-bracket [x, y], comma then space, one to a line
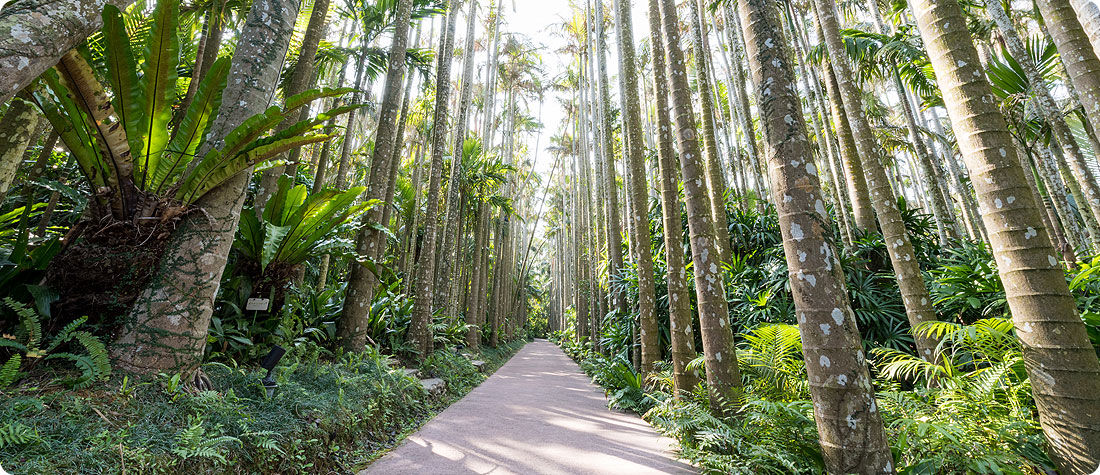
[158, 89]
[273, 242]
[216, 168]
[122, 75]
[189, 135]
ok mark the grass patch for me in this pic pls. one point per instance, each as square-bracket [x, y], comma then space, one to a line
[331, 414]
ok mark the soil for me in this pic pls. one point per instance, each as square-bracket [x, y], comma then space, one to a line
[103, 271]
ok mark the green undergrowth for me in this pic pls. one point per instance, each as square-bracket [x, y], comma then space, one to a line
[330, 414]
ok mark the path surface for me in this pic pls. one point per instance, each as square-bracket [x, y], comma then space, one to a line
[538, 414]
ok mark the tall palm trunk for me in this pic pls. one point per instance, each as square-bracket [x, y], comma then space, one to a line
[1061, 363]
[419, 334]
[1050, 110]
[361, 281]
[1077, 55]
[635, 153]
[723, 375]
[716, 182]
[166, 327]
[614, 235]
[914, 292]
[679, 300]
[444, 276]
[852, 436]
[862, 213]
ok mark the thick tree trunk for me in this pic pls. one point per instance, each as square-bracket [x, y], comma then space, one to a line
[852, 436]
[723, 375]
[1061, 363]
[34, 34]
[167, 326]
[16, 132]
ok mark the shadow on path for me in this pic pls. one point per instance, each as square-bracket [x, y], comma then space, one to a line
[538, 414]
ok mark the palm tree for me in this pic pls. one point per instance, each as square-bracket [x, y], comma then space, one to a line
[1077, 55]
[1051, 112]
[1061, 363]
[679, 301]
[716, 182]
[609, 184]
[723, 375]
[173, 312]
[361, 281]
[635, 152]
[852, 436]
[419, 334]
[914, 292]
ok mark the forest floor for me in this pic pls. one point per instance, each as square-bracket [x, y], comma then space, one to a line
[537, 414]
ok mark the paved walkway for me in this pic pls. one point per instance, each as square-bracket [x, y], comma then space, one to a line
[539, 414]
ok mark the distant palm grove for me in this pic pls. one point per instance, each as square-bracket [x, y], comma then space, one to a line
[805, 236]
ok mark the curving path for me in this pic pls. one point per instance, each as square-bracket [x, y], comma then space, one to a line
[538, 414]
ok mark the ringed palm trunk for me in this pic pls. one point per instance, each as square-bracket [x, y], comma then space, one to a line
[715, 180]
[473, 336]
[361, 281]
[1061, 363]
[914, 292]
[723, 375]
[167, 325]
[851, 433]
[1052, 112]
[635, 151]
[1077, 54]
[679, 300]
[452, 215]
[419, 333]
[614, 235]
[862, 213]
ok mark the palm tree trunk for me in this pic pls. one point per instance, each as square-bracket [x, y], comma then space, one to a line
[852, 436]
[1061, 363]
[614, 236]
[635, 153]
[444, 276]
[914, 292]
[166, 327]
[679, 301]
[723, 375]
[862, 213]
[716, 183]
[1077, 55]
[419, 333]
[1052, 112]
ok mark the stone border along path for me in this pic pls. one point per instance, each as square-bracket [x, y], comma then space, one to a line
[538, 414]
